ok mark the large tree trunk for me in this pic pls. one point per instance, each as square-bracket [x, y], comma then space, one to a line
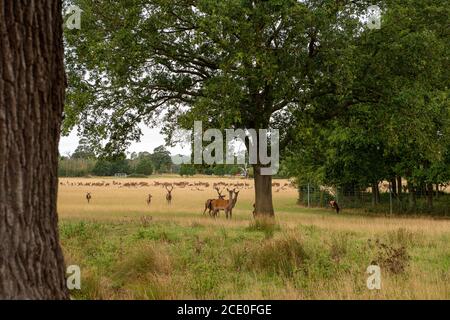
[32, 82]
[263, 193]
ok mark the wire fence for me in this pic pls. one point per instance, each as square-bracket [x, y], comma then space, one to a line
[383, 199]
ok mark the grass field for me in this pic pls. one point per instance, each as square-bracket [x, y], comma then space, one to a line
[129, 250]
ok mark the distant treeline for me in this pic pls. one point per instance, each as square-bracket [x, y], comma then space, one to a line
[84, 162]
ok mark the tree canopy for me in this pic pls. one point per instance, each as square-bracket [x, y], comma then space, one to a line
[258, 64]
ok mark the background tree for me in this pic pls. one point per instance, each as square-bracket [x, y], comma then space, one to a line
[187, 170]
[109, 166]
[233, 64]
[161, 159]
[401, 127]
[84, 150]
[32, 83]
[144, 166]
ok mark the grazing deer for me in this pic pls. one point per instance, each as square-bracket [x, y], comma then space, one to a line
[226, 205]
[149, 199]
[334, 205]
[208, 202]
[169, 194]
[88, 197]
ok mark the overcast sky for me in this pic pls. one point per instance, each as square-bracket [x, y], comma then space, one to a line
[150, 140]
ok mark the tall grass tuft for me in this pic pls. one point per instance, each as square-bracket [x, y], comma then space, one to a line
[283, 256]
[266, 225]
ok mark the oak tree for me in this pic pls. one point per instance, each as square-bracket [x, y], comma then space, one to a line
[32, 84]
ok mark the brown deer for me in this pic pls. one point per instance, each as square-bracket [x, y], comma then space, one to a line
[233, 203]
[88, 197]
[169, 194]
[208, 202]
[149, 199]
[226, 205]
[334, 205]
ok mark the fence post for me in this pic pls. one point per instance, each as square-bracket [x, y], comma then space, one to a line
[337, 194]
[308, 195]
[390, 198]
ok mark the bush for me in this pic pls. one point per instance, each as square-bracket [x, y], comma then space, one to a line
[187, 170]
[389, 257]
[109, 168]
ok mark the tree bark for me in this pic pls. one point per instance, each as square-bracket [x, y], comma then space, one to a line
[375, 193]
[412, 196]
[32, 83]
[394, 187]
[430, 192]
[263, 193]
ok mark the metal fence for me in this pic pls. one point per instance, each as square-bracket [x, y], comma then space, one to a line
[385, 200]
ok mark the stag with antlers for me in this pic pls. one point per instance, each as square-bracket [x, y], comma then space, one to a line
[227, 205]
[88, 197]
[208, 202]
[169, 193]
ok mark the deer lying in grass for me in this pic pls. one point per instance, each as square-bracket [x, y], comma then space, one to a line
[227, 205]
[88, 197]
[169, 194]
[208, 202]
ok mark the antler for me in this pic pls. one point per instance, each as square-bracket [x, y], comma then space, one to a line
[219, 192]
[167, 187]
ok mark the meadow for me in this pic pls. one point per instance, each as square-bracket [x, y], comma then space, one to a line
[127, 249]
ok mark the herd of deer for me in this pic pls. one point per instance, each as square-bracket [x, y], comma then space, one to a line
[180, 184]
[213, 206]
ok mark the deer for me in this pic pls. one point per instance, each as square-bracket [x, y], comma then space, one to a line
[208, 202]
[88, 197]
[169, 194]
[226, 205]
[233, 202]
[149, 199]
[334, 205]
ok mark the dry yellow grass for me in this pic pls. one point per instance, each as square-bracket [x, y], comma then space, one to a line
[122, 203]
[199, 255]
[116, 201]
